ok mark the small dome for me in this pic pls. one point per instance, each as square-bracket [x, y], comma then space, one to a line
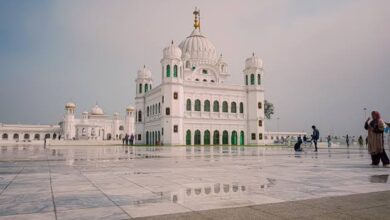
[70, 105]
[97, 110]
[130, 108]
[253, 62]
[172, 51]
[199, 47]
[144, 73]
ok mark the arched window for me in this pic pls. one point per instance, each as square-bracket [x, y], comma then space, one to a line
[168, 71]
[188, 106]
[188, 137]
[252, 79]
[5, 137]
[121, 128]
[246, 79]
[37, 137]
[260, 123]
[206, 137]
[140, 88]
[146, 87]
[16, 136]
[216, 137]
[159, 108]
[233, 107]
[216, 106]
[147, 137]
[147, 111]
[225, 106]
[197, 137]
[241, 107]
[197, 105]
[258, 79]
[26, 136]
[47, 136]
[259, 105]
[140, 116]
[175, 71]
[207, 106]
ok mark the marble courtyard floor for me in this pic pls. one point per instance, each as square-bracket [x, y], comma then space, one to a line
[89, 182]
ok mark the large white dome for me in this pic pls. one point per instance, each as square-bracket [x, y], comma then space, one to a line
[199, 48]
[96, 110]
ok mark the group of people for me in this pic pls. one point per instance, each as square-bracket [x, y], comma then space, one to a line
[128, 140]
[314, 139]
[375, 127]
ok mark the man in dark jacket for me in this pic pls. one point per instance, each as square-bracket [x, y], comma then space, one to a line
[315, 136]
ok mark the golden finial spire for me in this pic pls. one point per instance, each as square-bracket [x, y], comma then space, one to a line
[197, 18]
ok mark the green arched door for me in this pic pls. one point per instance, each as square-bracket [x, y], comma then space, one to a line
[188, 137]
[225, 137]
[197, 137]
[206, 137]
[216, 138]
[234, 138]
[242, 138]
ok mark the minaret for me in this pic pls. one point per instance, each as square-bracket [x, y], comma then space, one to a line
[68, 127]
[173, 95]
[129, 120]
[253, 73]
[143, 85]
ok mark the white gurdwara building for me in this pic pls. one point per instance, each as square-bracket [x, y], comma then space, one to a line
[193, 105]
[95, 125]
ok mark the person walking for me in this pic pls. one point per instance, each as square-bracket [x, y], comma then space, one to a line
[315, 136]
[360, 140]
[375, 129]
[329, 139]
[132, 140]
[347, 140]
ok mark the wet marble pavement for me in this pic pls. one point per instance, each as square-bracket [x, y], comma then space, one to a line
[115, 182]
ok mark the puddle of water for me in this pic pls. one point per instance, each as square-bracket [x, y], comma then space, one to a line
[379, 178]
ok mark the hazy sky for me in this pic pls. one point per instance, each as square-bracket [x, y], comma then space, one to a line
[324, 60]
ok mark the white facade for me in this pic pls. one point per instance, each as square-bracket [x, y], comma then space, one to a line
[93, 125]
[193, 105]
[10, 133]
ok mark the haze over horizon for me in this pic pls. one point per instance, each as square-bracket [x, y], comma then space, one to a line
[324, 60]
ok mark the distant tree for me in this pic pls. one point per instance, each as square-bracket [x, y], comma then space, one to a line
[268, 109]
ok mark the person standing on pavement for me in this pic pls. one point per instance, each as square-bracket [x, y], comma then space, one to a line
[315, 136]
[375, 128]
[347, 140]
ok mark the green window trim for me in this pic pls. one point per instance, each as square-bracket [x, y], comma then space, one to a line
[225, 107]
[175, 71]
[233, 107]
[197, 105]
[146, 88]
[206, 137]
[188, 105]
[258, 79]
[168, 71]
[207, 106]
[241, 107]
[216, 106]
[252, 79]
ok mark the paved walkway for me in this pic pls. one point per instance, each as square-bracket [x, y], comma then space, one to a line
[115, 182]
[358, 206]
